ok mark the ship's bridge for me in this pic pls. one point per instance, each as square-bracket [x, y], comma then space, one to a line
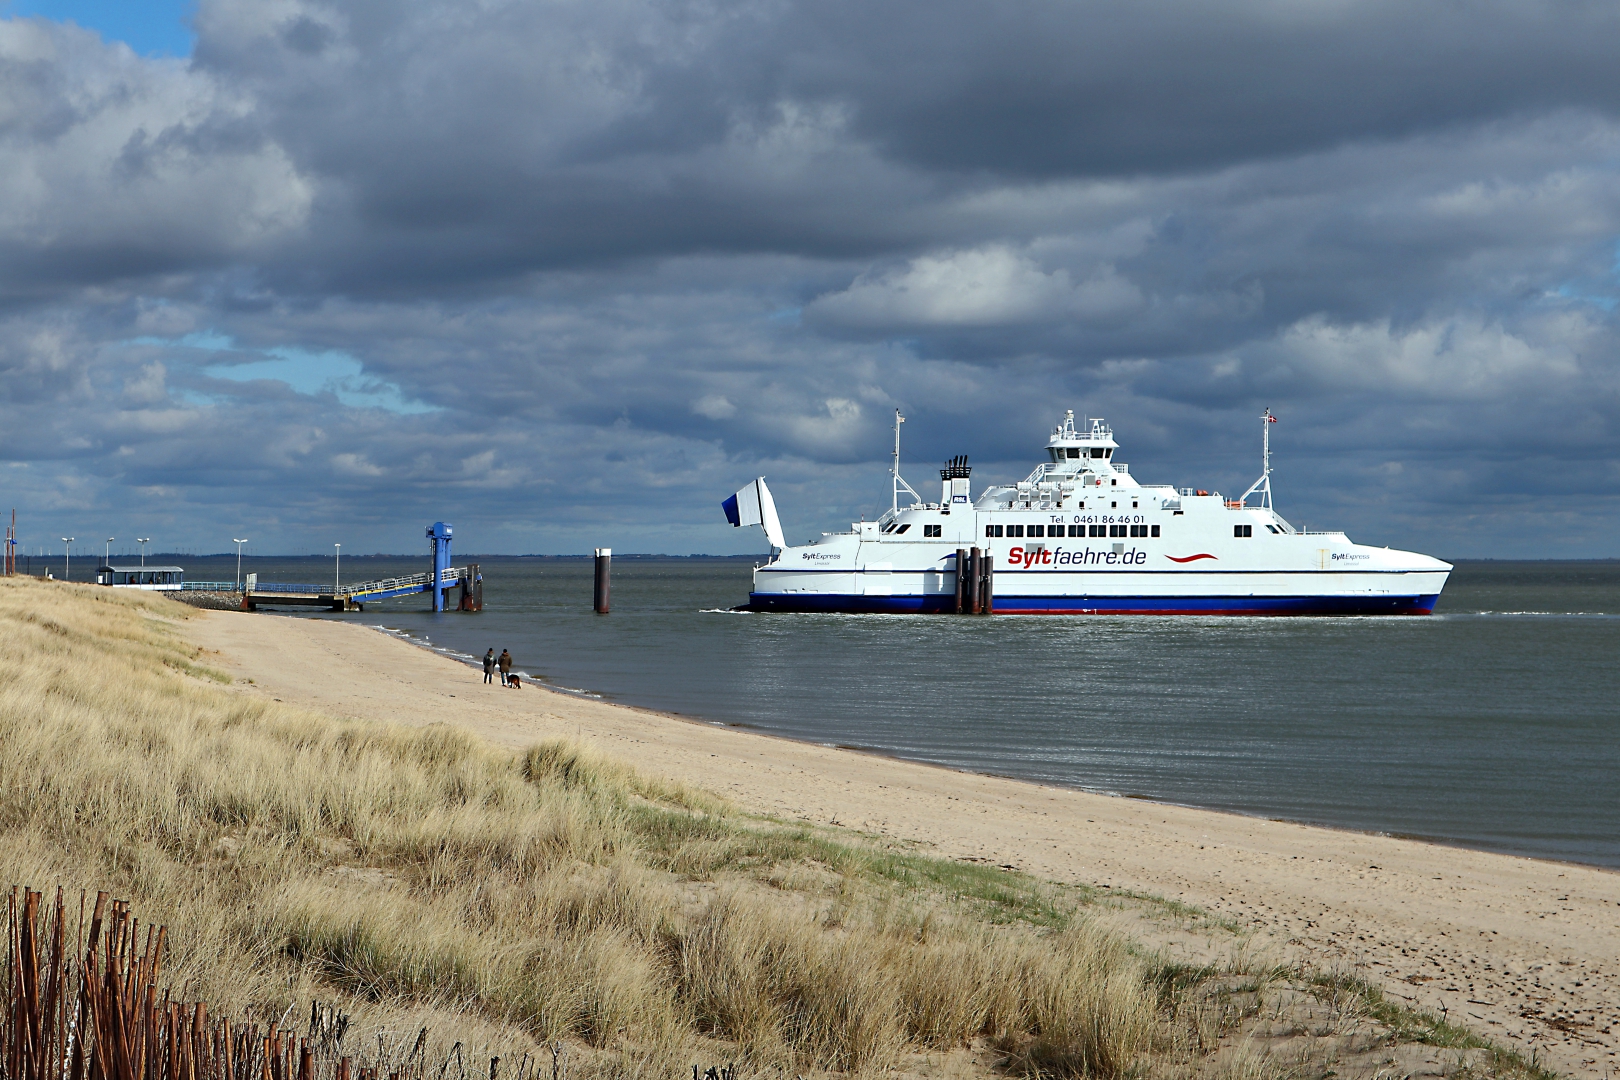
[1083, 449]
[1080, 459]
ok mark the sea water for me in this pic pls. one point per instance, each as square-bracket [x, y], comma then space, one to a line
[1493, 723]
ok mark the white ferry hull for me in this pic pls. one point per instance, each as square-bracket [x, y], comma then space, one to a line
[1168, 593]
[1082, 536]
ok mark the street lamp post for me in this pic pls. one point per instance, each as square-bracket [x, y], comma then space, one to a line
[106, 552]
[238, 544]
[67, 558]
[337, 567]
[143, 541]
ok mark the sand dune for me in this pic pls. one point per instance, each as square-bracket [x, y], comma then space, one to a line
[1526, 952]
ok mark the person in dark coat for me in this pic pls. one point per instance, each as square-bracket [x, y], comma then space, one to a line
[505, 663]
[489, 665]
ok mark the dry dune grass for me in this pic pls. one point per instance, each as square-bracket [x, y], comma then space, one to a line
[507, 900]
[419, 878]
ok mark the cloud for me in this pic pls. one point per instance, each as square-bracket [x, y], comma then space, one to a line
[992, 286]
[353, 261]
[715, 407]
[117, 167]
[1453, 359]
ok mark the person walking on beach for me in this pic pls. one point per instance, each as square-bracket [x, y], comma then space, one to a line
[489, 665]
[505, 663]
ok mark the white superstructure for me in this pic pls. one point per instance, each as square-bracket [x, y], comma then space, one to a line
[1081, 535]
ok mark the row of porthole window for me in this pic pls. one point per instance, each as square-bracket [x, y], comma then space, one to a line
[1072, 530]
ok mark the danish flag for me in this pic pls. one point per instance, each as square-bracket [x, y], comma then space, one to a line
[1269, 418]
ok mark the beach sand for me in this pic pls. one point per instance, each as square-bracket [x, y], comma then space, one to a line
[1523, 951]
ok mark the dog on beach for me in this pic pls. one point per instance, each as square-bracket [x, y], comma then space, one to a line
[514, 681]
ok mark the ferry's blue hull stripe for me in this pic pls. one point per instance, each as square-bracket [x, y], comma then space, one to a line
[939, 603]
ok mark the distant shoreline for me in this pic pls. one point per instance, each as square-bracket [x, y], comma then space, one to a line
[461, 557]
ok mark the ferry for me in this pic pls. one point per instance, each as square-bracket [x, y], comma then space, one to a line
[1080, 535]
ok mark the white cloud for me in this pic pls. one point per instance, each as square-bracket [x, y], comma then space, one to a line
[102, 151]
[990, 286]
[714, 406]
[1448, 359]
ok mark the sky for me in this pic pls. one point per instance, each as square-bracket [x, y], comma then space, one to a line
[567, 274]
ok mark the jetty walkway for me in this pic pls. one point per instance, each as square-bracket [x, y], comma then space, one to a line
[465, 581]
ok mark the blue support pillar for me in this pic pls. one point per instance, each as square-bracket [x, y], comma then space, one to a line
[439, 535]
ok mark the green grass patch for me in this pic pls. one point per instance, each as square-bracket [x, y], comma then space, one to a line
[1407, 1024]
[702, 846]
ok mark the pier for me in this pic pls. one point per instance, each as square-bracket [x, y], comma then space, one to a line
[465, 581]
[440, 582]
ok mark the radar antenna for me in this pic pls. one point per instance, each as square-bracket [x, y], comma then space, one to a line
[1263, 485]
[899, 484]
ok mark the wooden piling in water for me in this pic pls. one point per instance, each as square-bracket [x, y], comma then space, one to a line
[472, 590]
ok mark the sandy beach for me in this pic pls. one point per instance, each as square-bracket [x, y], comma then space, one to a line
[1526, 952]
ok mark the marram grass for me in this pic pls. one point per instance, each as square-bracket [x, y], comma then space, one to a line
[508, 899]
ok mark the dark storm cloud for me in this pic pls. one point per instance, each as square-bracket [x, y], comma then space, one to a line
[577, 268]
[518, 136]
[1066, 89]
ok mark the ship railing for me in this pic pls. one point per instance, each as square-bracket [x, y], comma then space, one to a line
[1120, 466]
[1319, 532]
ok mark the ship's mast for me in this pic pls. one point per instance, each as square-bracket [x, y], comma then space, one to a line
[1263, 485]
[894, 470]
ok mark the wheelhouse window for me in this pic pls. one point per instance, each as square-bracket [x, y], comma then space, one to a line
[902, 528]
[1096, 451]
[932, 530]
[1243, 530]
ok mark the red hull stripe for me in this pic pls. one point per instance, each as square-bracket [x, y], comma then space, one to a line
[1191, 558]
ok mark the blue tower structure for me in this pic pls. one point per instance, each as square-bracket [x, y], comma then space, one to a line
[439, 536]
